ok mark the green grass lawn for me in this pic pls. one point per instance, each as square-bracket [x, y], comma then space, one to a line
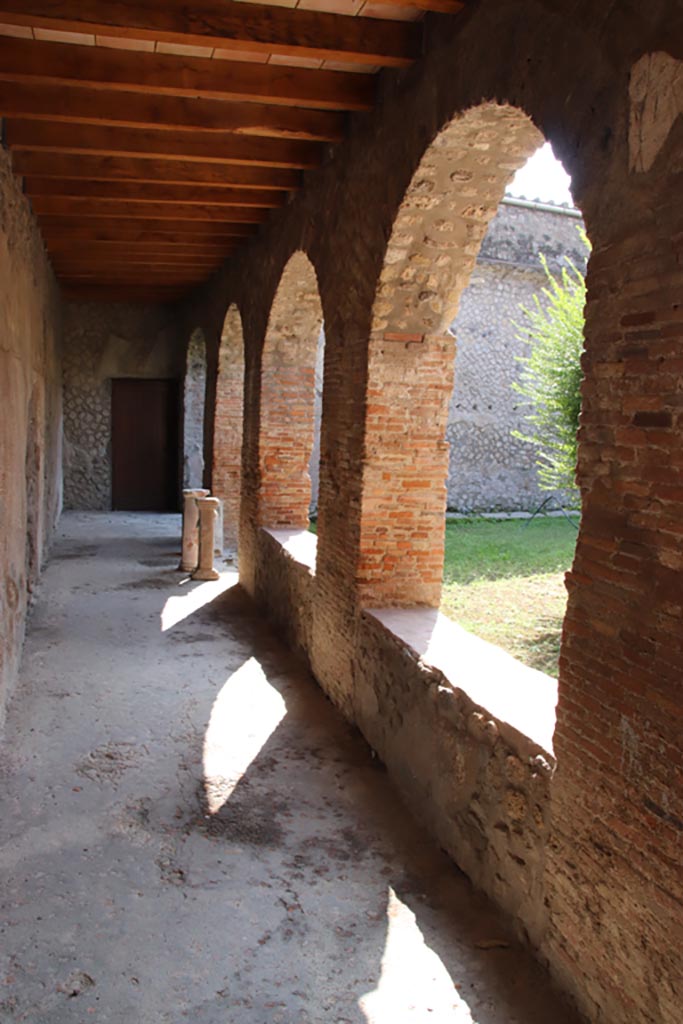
[504, 582]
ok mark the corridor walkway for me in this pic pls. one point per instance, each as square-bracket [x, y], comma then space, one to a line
[190, 832]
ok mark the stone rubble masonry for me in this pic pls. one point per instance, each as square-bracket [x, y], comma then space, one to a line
[30, 417]
[393, 223]
[102, 342]
[489, 469]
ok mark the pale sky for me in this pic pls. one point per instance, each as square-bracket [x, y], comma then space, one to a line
[542, 177]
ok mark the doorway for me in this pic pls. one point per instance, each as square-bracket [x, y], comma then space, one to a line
[145, 455]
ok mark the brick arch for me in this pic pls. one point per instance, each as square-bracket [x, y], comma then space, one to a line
[287, 405]
[194, 401]
[227, 436]
[436, 236]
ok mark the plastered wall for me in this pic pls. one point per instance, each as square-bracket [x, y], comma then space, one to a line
[30, 417]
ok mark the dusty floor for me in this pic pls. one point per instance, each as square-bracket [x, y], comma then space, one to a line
[191, 833]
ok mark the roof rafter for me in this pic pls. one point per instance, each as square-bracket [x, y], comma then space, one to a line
[84, 206]
[201, 146]
[232, 27]
[145, 169]
[23, 60]
[74, 104]
[86, 228]
[138, 192]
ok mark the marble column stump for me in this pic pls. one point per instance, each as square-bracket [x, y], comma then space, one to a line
[208, 509]
[189, 558]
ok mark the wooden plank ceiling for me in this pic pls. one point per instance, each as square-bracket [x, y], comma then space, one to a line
[155, 136]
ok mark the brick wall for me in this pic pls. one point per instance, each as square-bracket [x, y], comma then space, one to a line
[287, 406]
[404, 469]
[606, 912]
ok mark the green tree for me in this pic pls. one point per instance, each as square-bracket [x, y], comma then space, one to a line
[551, 376]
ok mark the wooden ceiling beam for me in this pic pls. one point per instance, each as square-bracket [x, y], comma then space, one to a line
[86, 256]
[137, 276]
[74, 104]
[228, 26]
[69, 268]
[147, 192]
[134, 296]
[58, 64]
[65, 254]
[46, 137]
[65, 267]
[117, 229]
[98, 246]
[435, 6]
[139, 169]
[74, 206]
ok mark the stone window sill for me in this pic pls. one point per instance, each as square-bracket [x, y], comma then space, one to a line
[508, 691]
[300, 545]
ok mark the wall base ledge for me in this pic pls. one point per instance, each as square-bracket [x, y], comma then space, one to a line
[522, 700]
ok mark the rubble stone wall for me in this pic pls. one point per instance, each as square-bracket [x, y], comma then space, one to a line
[489, 469]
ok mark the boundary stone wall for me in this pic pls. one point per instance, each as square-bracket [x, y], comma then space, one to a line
[489, 469]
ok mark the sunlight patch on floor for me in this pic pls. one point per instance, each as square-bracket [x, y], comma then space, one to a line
[178, 608]
[244, 715]
[414, 985]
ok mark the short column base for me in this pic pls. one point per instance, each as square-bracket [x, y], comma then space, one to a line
[205, 574]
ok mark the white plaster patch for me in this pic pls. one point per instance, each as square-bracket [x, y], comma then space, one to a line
[630, 752]
[656, 94]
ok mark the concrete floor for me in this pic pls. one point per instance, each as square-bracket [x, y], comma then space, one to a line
[190, 832]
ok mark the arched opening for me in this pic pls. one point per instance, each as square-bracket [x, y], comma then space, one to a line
[227, 435]
[512, 501]
[435, 240]
[287, 408]
[481, 695]
[194, 395]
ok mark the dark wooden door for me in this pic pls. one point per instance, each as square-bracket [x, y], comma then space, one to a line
[145, 456]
